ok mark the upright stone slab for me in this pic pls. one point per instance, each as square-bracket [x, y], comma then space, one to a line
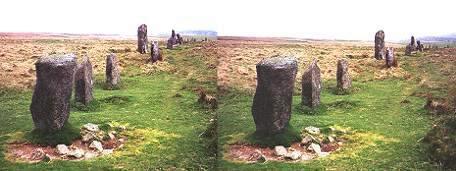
[142, 39]
[169, 44]
[83, 79]
[408, 49]
[271, 107]
[343, 77]
[390, 57]
[155, 52]
[179, 39]
[112, 71]
[50, 105]
[311, 86]
[412, 43]
[380, 45]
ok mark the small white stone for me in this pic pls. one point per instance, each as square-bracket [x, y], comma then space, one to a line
[96, 145]
[315, 147]
[111, 136]
[331, 139]
[62, 149]
[280, 150]
[89, 155]
[312, 130]
[77, 153]
[91, 127]
[294, 155]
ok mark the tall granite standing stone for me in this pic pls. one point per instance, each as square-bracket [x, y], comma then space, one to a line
[112, 71]
[172, 40]
[311, 85]
[412, 43]
[380, 45]
[155, 54]
[390, 57]
[343, 77]
[50, 105]
[83, 79]
[271, 107]
[142, 39]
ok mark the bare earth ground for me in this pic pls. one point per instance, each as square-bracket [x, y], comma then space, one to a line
[238, 57]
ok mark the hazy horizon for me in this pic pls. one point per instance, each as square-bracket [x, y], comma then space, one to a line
[347, 20]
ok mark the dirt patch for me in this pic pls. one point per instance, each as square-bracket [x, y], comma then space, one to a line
[33, 153]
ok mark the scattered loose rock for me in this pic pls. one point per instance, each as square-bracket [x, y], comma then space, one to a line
[96, 145]
[62, 149]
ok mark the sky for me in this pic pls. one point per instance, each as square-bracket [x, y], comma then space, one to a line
[320, 19]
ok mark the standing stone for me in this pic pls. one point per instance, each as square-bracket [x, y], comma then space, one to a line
[112, 71]
[271, 107]
[390, 57]
[173, 33]
[155, 52]
[408, 49]
[180, 40]
[50, 106]
[412, 43]
[142, 39]
[380, 45]
[83, 80]
[343, 77]
[169, 44]
[419, 46]
[311, 86]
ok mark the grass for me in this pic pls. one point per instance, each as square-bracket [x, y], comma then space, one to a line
[386, 132]
[163, 129]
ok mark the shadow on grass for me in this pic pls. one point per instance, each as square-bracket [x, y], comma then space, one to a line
[64, 136]
[285, 138]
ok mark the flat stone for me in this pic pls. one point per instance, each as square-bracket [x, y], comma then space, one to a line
[294, 155]
[96, 145]
[50, 105]
[77, 153]
[312, 130]
[91, 127]
[62, 149]
[280, 151]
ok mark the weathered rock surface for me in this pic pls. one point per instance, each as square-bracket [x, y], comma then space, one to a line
[412, 43]
[390, 57]
[50, 105]
[155, 52]
[271, 107]
[96, 145]
[63, 149]
[408, 49]
[112, 71]
[419, 46]
[343, 77]
[83, 80]
[380, 45]
[142, 39]
[180, 40]
[311, 85]
[280, 151]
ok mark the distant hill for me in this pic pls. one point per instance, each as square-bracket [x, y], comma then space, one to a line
[443, 38]
[199, 33]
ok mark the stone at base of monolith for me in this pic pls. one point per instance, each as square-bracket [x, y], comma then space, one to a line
[50, 106]
[271, 107]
